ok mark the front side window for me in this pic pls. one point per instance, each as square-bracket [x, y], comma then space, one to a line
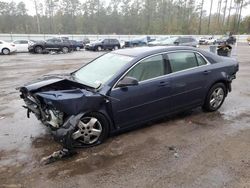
[182, 60]
[149, 68]
[101, 69]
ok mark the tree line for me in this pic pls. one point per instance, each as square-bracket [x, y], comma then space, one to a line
[124, 17]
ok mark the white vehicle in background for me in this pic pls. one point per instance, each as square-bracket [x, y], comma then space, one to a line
[207, 40]
[6, 48]
[21, 45]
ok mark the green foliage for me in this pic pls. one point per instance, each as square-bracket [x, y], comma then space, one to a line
[120, 17]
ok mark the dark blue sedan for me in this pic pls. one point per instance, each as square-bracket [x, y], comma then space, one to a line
[128, 87]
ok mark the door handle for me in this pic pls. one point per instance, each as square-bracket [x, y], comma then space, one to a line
[206, 72]
[163, 83]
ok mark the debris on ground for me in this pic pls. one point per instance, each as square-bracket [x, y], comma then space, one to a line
[173, 148]
[58, 155]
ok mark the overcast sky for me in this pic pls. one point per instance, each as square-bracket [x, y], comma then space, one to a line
[31, 9]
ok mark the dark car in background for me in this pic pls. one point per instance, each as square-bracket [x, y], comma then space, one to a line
[143, 41]
[53, 44]
[186, 41]
[103, 44]
[226, 39]
[180, 41]
[77, 45]
[126, 88]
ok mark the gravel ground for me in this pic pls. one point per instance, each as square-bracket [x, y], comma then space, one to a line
[189, 150]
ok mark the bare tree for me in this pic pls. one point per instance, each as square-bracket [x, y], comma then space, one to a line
[229, 14]
[201, 11]
[225, 9]
[37, 16]
[209, 18]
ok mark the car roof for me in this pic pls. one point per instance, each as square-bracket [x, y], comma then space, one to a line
[145, 51]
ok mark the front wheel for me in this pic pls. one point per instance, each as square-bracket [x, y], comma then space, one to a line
[99, 48]
[215, 97]
[65, 50]
[92, 129]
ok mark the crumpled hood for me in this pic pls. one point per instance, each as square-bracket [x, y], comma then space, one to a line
[72, 102]
[65, 94]
[54, 82]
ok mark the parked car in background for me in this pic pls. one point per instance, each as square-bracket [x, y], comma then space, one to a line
[122, 43]
[103, 44]
[226, 39]
[207, 40]
[128, 87]
[158, 42]
[85, 41]
[180, 41]
[21, 45]
[143, 41]
[54, 44]
[77, 45]
[7, 48]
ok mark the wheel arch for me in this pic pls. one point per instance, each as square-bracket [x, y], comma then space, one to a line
[4, 49]
[106, 115]
[223, 81]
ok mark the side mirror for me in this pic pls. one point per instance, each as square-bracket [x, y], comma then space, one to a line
[128, 81]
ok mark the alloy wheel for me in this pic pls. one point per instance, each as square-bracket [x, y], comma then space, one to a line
[217, 97]
[88, 130]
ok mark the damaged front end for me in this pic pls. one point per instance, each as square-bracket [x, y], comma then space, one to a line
[59, 103]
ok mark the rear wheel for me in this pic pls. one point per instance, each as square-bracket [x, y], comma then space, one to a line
[92, 129]
[116, 47]
[38, 50]
[215, 97]
[78, 48]
[6, 51]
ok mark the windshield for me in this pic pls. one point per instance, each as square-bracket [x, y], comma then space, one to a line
[101, 69]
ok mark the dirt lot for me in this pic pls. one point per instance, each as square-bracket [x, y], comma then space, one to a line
[194, 149]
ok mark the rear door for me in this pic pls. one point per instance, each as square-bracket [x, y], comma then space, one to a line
[189, 79]
[106, 44]
[149, 99]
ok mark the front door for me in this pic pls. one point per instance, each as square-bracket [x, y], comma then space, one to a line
[147, 100]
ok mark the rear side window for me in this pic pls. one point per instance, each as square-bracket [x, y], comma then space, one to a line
[201, 61]
[182, 60]
[147, 69]
[24, 42]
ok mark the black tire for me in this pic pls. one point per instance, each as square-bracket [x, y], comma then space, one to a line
[99, 48]
[5, 51]
[81, 142]
[116, 48]
[38, 50]
[65, 50]
[215, 97]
